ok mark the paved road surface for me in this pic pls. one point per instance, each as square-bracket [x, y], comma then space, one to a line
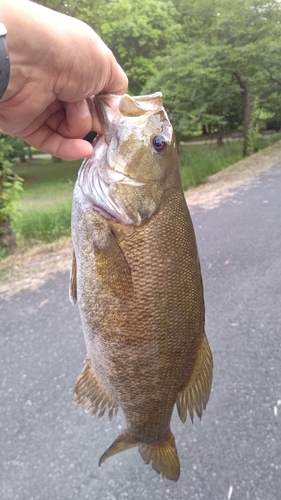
[50, 448]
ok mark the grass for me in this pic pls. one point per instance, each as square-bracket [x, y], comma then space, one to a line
[46, 224]
[46, 200]
[198, 162]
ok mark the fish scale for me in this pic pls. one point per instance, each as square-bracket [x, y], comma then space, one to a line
[136, 277]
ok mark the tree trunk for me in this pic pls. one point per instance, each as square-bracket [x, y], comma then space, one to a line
[204, 130]
[219, 140]
[219, 136]
[247, 112]
[7, 238]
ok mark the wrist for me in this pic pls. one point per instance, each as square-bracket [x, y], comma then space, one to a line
[4, 61]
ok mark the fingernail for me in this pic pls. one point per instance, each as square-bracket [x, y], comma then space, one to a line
[82, 108]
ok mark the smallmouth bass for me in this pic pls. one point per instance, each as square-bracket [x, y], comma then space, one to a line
[137, 280]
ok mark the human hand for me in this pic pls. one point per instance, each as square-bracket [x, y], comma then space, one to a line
[58, 64]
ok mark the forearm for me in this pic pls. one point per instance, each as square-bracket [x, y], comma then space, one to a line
[38, 39]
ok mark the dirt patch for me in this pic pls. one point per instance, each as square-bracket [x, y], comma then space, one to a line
[32, 267]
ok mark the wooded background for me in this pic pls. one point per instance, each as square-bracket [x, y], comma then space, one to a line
[217, 62]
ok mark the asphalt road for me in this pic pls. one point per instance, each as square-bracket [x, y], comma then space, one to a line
[50, 448]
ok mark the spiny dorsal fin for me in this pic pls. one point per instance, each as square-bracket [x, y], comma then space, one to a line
[195, 395]
[163, 457]
[90, 391]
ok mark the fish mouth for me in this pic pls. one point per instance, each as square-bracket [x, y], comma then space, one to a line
[111, 108]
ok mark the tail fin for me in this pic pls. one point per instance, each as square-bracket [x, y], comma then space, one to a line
[162, 456]
[122, 443]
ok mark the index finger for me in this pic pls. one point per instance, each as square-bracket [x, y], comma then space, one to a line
[55, 144]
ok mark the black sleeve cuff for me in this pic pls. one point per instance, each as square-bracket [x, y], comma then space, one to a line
[4, 61]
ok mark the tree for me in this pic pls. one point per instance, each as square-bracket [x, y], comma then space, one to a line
[225, 48]
[194, 89]
[136, 31]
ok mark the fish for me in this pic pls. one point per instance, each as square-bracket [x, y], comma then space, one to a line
[136, 278]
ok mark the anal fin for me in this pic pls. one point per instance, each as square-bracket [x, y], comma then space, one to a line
[196, 393]
[90, 391]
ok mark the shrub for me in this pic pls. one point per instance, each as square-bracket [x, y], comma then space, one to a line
[10, 187]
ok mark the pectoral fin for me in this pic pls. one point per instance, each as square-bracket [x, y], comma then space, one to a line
[72, 282]
[112, 266]
[90, 391]
[195, 395]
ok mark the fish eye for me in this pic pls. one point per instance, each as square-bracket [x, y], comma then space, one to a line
[159, 143]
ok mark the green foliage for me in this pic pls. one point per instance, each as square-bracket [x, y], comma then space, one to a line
[189, 82]
[10, 187]
[17, 147]
[59, 5]
[227, 49]
[137, 32]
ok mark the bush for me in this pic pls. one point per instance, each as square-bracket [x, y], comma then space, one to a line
[10, 187]
[16, 147]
